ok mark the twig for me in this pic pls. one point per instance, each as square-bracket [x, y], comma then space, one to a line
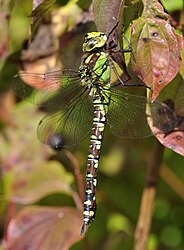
[172, 180]
[77, 173]
[81, 187]
[148, 197]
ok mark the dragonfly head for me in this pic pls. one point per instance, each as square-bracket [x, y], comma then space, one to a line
[94, 40]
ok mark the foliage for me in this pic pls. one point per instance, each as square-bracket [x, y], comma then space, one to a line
[42, 190]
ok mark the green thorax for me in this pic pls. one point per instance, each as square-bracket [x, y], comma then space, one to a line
[95, 68]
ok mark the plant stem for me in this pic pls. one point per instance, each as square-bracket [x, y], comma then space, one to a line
[148, 197]
[77, 173]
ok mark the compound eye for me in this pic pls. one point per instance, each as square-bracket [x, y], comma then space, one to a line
[92, 43]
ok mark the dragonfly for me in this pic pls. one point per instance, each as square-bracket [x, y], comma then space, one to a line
[83, 102]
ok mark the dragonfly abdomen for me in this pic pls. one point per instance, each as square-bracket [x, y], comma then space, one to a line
[101, 104]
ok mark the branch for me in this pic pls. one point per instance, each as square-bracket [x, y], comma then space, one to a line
[77, 173]
[148, 197]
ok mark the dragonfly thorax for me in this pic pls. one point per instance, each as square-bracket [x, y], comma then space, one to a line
[94, 40]
[95, 69]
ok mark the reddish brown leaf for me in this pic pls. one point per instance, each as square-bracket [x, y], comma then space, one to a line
[171, 132]
[174, 140]
[106, 14]
[27, 183]
[182, 65]
[6, 104]
[156, 49]
[44, 228]
[25, 119]
[4, 30]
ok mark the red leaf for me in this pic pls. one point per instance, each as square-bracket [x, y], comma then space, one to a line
[174, 141]
[44, 228]
[157, 50]
[170, 132]
[27, 182]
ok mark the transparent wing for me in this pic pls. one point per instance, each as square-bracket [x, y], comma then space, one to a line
[128, 115]
[67, 125]
[46, 89]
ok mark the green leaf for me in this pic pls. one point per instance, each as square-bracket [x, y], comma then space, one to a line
[39, 12]
[42, 8]
[84, 4]
[172, 5]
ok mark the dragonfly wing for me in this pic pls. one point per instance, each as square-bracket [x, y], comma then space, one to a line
[40, 88]
[70, 124]
[127, 115]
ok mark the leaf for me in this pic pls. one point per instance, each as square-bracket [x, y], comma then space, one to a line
[6, 105]
[156, 48]
[36, 3]
[172, 6]
[44, 228]
[83, 4]
[172, 96]
[4, 18]
[182, 65]
[109, 19]
[106, 14]
[27, 183]
[19, 142]
[41, 8]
